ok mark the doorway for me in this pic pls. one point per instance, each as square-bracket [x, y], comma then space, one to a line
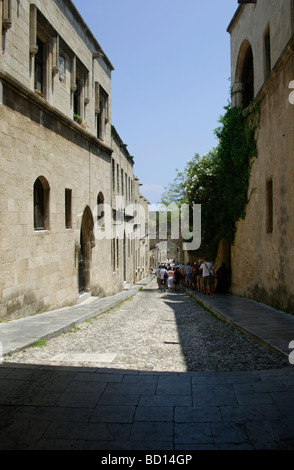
[81, 267]
[87, 243]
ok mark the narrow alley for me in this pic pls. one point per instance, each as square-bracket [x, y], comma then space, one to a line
[155, 331]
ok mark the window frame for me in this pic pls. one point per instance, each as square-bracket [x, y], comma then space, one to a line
[62, 65]
[269, 205]
[40, 66]
[267, 52]
[68, 208]
[101, 215]
[41, 195]
[103, 113]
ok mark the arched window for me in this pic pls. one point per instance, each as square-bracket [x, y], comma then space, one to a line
[244, 81]
[100, 210]
[41, 204]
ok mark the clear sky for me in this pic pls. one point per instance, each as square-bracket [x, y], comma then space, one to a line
[171, 78]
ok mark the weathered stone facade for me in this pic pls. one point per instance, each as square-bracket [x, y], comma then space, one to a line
[262, 61]
[130, 254]
[54, 171]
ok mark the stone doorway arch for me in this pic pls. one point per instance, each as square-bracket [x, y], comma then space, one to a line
[244, 79]
[87, 243]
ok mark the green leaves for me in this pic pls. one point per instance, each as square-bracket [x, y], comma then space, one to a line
[219, 180]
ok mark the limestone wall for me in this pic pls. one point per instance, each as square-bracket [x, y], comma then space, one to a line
[58, 19]
[123, 195]
[251, 24]
[40, 266]
[262, 258]
[263, 262]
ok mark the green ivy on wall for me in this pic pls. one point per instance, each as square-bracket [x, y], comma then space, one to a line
[219, 180]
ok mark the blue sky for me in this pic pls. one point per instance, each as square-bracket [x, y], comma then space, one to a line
[171, 78]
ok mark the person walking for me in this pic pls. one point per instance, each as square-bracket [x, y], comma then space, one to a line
[188, 275]
[223, 275]
[182, 272]
[158, 278]
[163, 277]
[177, 279]
[207, 276]
[199, 277]
[170, 279]
[194, 276]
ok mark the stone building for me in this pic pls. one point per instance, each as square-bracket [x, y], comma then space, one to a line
[130, 251]
[262, 71]
[62, 162]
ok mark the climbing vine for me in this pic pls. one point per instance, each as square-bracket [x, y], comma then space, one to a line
[219, 180]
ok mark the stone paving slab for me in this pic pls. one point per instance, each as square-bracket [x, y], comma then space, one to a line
[272, 328]
[49, 407]
[248, 412]
[22, 333]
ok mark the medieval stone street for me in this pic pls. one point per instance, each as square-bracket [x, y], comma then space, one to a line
[156, 372]
[155, 331]
[93, 355]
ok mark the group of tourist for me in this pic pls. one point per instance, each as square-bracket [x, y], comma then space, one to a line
[199, 277]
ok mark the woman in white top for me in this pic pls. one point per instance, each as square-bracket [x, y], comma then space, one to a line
[207, 276]
[170, 280]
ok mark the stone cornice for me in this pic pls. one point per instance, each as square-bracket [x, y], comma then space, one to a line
[87, 31]
[122, 145]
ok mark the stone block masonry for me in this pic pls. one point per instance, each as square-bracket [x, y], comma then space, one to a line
[52, 169]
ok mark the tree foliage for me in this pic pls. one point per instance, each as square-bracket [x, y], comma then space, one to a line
[174, 192]
[219, 180]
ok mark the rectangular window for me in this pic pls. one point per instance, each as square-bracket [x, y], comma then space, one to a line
[267, 53]
[117, 178]
[113, 175]
[68, 222]
[61, 69]
[79, 80]
[126, 185]
[100, 121]
[77, 109]
[122, 182]
[39, 67]
[103, 113]
[269, 205]
[113, 254]
[117, 254]
[2, 49]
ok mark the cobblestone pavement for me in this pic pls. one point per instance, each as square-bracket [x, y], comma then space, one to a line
[156, 373]
[155, 331]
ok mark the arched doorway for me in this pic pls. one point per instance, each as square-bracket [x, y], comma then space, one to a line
[87, 243]
[244, 80]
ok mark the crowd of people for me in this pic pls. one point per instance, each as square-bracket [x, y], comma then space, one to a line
[200, 277]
